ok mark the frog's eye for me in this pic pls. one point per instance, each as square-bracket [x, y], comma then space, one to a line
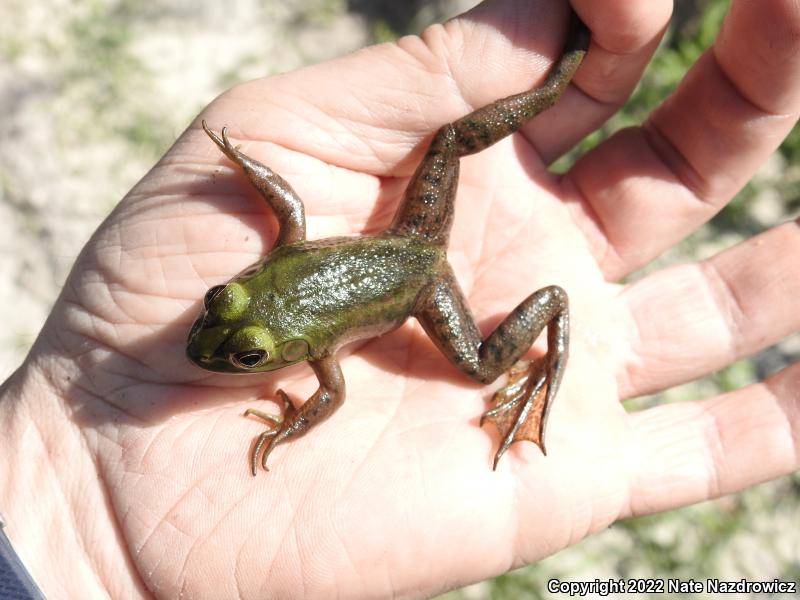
[249, 359]
[211, 294]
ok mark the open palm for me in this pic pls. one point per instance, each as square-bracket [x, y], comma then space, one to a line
[395, 493]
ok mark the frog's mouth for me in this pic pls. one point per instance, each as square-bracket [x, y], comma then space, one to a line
[198, 323]
[215, 362]
[205, 347]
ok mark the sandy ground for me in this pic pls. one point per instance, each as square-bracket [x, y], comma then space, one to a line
[83, 91]
[83, 86]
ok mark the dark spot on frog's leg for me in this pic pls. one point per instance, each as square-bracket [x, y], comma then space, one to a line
[495, 349]
[445, 316]
[428, 198]
[416, 221]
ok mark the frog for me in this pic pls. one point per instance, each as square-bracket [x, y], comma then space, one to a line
[306, 299]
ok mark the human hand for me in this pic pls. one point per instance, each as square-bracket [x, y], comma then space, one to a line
[140, 459]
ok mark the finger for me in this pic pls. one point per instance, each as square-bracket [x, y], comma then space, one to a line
[691, 320]
[368, 110]
[684, 453]
[624, 36]
[646, 188]
[345, 201]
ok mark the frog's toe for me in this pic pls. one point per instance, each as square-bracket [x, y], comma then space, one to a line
[275, 439]
[520, 407]
[271, 437]
[273, 419]
[276, 421]
[214, 137]
[230, 149]
[267, 436]
[223, 143]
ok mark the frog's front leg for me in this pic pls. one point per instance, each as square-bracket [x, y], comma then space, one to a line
[328, 397]
[283, 200]
[522, 412]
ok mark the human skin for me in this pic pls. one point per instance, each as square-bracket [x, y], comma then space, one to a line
[125, 467]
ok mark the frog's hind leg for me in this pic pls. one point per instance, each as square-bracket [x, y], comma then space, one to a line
[522, 407]
[488, 125]
[427, 207]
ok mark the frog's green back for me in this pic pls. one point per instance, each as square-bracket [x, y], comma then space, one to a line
[338, 290]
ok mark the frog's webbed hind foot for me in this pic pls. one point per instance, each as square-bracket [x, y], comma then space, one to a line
[520, 407]
[270, 435]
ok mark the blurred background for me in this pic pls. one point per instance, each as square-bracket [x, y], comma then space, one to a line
[93, 92]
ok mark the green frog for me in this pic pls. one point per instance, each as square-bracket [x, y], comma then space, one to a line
[306, 299]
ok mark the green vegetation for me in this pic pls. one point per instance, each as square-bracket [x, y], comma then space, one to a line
[102, 73]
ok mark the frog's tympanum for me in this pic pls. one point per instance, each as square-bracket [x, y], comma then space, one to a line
[306, 299]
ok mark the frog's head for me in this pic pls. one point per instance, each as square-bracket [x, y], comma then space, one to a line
[227, 339]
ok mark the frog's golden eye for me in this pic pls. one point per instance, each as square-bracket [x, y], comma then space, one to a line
[211, 294]
[249, 359]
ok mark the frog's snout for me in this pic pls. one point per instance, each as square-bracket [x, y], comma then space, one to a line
[206, 344]
[198, 349]
[195, 328]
